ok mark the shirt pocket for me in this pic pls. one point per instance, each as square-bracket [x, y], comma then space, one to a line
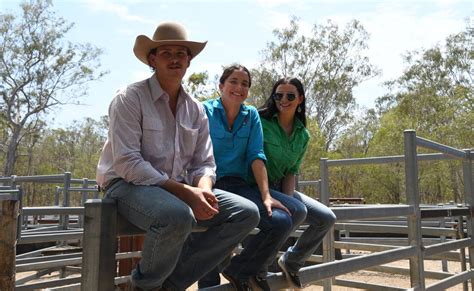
[154, 138]
[242, 137]
[188, 138]
[274, 151]
[221, 139]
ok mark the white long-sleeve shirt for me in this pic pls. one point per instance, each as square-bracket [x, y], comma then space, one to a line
[147, 144]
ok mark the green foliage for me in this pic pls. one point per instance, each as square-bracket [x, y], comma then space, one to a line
[40, 71]
[197, 85]
[434, 96]
[330, 62]
[75, 149]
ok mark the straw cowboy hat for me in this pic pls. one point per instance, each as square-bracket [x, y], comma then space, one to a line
[167, 33]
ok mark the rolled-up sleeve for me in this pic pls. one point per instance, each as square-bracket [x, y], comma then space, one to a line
[125, 133]
[202, 163]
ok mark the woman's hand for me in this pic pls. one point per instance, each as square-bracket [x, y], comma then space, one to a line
[273, 203]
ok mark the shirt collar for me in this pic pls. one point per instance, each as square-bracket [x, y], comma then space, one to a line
[157, 92]
[297, 124]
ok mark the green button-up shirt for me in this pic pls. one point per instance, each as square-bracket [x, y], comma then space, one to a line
[284, 154]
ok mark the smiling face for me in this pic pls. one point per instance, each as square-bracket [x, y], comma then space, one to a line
[235, 88]
[282, 96]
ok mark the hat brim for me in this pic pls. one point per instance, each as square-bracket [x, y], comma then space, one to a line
[143, 45]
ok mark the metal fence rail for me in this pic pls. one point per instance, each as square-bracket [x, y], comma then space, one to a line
[426, 233]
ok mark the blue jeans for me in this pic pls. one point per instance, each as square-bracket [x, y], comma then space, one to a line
[320, 219]
[171, 252]
[262, 247]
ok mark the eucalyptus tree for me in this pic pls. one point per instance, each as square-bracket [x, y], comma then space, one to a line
[40, 70]
[435, 97]
[330, 62]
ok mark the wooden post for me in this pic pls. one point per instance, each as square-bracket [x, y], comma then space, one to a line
[8, 239]
[99, 245]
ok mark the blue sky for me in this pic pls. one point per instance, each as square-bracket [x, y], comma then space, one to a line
[237, 31]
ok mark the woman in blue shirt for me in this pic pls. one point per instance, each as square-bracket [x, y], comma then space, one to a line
[237, 139]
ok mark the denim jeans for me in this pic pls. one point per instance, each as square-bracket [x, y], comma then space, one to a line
[262, 247]
[171, 252]
[320, 219]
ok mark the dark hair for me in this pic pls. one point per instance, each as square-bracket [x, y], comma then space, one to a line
[230, 69]
[269, 108]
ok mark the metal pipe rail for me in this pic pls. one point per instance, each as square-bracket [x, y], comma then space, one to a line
[394, 229]
[387, 160]
[450, 151]
[368, 212]
[52, 237]
[52, 210]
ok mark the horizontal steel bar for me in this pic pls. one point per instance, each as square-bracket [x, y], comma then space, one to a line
[12, 195]
[34, 253]
[48, 264]
[50, 238]
[386, 159]
[128, 255]
[48, 258]
[309, 183]
[449, 246]
[83, 190]
[46, 284]
[51, 210]
[34, 276]
[363, 247]
[426, 143]
[41, 178]
[336, 268]
[445, 212]
[366, 212]
[367, 286]
[70, 287]
[89, 182]
[366, 161]
[452, 281]
[398, 229]
[406, 272]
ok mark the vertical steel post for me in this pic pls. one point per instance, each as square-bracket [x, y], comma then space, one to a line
[328, 242]
[414, 222]
[85, 185]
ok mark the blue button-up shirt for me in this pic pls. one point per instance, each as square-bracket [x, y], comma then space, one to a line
[235, 149]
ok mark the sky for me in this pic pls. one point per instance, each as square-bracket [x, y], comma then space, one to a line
[238, 31]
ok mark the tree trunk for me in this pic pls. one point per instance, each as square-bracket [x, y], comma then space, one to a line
[10, 161]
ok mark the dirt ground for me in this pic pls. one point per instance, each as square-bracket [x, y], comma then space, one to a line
[361, 276]
[392, 280]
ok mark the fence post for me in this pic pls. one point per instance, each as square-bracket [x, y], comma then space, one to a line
[66, 201]
[8, 239]
[417, 278]
[328, 241]
[468, 178]
[99, 245]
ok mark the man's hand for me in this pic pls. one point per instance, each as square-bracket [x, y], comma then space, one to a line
[201, 199]
[273, 203]
[203, 203]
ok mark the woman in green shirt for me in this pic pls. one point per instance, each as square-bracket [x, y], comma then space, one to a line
[285, 143]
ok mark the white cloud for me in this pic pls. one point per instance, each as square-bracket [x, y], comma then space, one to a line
[121, 11]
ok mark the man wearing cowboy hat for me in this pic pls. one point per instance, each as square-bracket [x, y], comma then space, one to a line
[157, 163]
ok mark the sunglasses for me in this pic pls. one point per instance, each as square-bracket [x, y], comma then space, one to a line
[289, 96]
